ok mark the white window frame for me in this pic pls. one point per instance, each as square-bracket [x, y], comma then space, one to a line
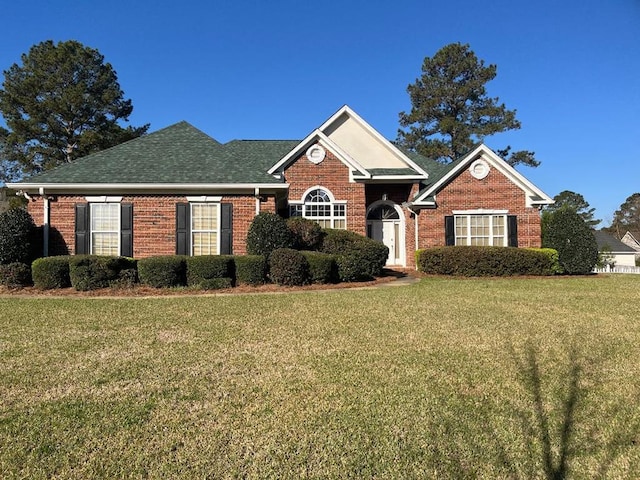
[333, 203]
[118, 232]
[192, 230]
[491, 214]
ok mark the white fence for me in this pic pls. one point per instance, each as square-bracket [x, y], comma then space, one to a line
[617, 269]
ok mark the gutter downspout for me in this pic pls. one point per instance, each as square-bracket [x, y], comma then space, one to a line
[45, 223]
[257, 195]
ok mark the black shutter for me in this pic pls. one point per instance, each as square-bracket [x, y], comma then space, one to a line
[126, 230]
[449, 232]
[82, 228]
[512, 229]
[226, 229]
[182, 229]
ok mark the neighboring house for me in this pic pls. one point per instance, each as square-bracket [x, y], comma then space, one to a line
[178, 190]
[620, 255]
[631, 239]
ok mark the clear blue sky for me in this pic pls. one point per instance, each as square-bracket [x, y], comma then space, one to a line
[277, 69]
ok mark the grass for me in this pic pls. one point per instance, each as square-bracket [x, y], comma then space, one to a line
[450, 378]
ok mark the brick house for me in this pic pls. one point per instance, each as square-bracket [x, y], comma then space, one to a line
[177, 190]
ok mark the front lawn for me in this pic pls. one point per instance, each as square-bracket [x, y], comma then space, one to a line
[448, 378]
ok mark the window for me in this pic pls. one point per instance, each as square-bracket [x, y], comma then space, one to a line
[318, 205]
[480, 230]
[204, 228]
[105, 228]
[494, 228]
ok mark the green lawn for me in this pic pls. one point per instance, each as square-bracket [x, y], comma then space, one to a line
[449, 378]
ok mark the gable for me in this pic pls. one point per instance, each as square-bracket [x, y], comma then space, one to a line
[359, 146]
[479, 164]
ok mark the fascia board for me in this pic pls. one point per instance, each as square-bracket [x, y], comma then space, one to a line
[147, 187]
[363, 123]
[502, 166]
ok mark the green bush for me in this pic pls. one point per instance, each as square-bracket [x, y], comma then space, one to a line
[51, 272]
[288, 267]
[568, 233]
[16, 235]
[322, 267]
[268, 232]
[553, 259]
[307, 234]
[15, 275]
[163, 271]
[251, 269]
[483, 261]
[364, 258]
[90, 272]
[201, 269]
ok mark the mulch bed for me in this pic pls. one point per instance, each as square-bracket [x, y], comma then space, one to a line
[145, 291]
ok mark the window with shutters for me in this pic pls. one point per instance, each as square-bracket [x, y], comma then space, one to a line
[105, 228]
[481, 230]
[319, 205]
[204, 228]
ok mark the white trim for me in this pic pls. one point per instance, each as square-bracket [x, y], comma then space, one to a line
[158, 187]
[90, 226]
[479, 168]
[480, 211]
[311, 155]
[484, 152]
[345, 109]
[328, 144]
[104, 199]
[204, 199]
[218, 223]
[491, 237]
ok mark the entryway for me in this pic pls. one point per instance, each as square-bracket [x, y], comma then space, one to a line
[385, 223]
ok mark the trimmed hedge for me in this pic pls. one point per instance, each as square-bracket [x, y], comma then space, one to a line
[268, 232]
[471, 261]
[556, 269]
[201, 270]
[90, 272]
[307, 234]
[358, 257]
[163, 271]
[15, 275]
[16, 234]
[568, 233]
[251, 269]
[288, 267]
[51, 272]
[322, 267]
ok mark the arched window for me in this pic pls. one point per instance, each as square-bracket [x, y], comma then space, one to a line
[319, 205]
[383, 212]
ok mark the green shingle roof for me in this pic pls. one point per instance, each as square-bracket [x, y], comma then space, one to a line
[177, 154]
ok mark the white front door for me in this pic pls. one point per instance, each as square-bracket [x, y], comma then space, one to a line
[388, 232]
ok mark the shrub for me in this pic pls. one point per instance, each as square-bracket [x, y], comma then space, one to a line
[163, 271]
[90, 272]
[322, 267]
[15, 275]
[288, 267]
[483, 261]
[251, 269]
[307, 234]
[51, 272]
[268, 232]
[575, 242]
[16, 235]
[201, 269]
[554, 264]
[365, 258]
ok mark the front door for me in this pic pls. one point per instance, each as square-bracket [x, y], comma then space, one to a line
[385, 225]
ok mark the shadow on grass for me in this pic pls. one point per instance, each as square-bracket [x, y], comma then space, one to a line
[554, 431]
[560, 446]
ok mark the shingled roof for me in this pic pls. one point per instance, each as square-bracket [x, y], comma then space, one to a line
[177, 154]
